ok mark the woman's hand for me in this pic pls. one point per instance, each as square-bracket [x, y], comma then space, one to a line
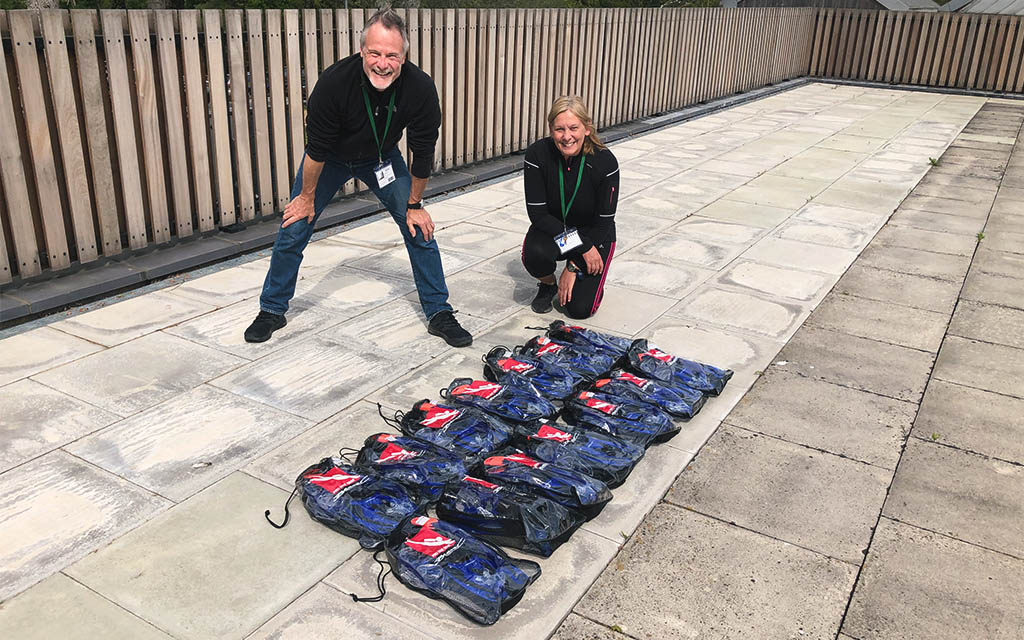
[594, 262]
[565, 284]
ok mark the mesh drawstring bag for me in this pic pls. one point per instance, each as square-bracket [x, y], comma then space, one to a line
[469, 433]
[422, 467]
[639, 423]
[649, 361]
[567, 487]
[513, 399]
[597, 454]
[551, 380]
[678, 401]
[587, 364]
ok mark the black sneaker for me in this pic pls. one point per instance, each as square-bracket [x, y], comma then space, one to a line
[445, 325]
[545, 294]
[264, 326]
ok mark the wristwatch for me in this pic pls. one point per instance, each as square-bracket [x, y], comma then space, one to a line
[414, 205]
[569, 266]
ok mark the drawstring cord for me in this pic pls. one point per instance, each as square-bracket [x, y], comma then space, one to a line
[394, 422]
[266, 514]
[381, 577]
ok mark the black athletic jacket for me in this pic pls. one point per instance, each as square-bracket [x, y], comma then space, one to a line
[593, 210]
[337, 126]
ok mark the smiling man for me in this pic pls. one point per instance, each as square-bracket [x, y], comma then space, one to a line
[354, 120]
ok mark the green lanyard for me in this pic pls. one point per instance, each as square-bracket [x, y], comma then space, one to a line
[561, 188]
[373, 122]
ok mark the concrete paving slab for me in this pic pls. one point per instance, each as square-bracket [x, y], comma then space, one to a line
[426, 380]
[964, 495]
[721, 231]
[324, 612]
[655, 275]
[187, 443]
[60, 607]
[773, 281]
[990, 323]
[28, 353]
[728, 574]
[914, 328]
[632, 230]
[968, 194]
[394, 263]
[485, 199]
[349, 428]
[999, 263]
[859, 363]
[381, 233]
[774, 319]
[332, 252]
[314, 378]
[576, 627]
[853, 424]
[746, 169]
[912, 237]
[509, 264]
[992, 289]
[917, 565]
[446, 213]
[920, 292]
[346, 292]
[748, 213]
[990, 427]
[840, 216]
[946, 205]
[645, 207]
[916, 262]
[718, 347]
[852, 143]
[869, 201]
[938, 222]
[990, 367]
[819, 501]
[828, 235]
[57, 509]
[645, 488]
[139, 374]
[779, 191]
[800, 255]
[488, 295]
[35, 419]
[511, 217]
[224, 329]
[478, 240]
[191, 570]
[1005, 241]
[225, 287]
[821, 163]
[617, 312]
[565, 576]
[702, 252]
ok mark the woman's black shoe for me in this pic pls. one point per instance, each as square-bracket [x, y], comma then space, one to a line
[545, 294]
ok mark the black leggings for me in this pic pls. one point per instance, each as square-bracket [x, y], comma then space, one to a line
[540, 257]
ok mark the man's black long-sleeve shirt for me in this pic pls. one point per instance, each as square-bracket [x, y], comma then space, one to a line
[593, 210]
[338, 127]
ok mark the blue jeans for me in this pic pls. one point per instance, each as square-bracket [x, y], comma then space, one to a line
[279, 286]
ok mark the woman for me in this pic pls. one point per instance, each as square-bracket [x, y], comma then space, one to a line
[572, 188]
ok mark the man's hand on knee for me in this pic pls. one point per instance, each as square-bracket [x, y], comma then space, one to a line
[300, 207]
[420, 218]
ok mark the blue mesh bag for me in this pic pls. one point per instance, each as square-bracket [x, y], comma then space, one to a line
[588, 364]
[446, 562]
[567, 487]
[640, 423]
[506, 517]
[359, 505]
[613, 346]
[648, 360]
[551, 380]
[513, 399]
[597, 454]
[422, 467]
[679, 401]
[469, 433]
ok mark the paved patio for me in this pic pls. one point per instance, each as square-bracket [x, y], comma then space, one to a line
[143, 438]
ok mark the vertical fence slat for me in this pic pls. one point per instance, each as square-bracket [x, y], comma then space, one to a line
[326, 37]
[65, 111]
[500, 68]
[15, 180]
[1017, 58]
[472, 76]
[221, 151]
[310, 56]
[26, 63]
[278, 111]
[293, 77]
[939, 49]
[450, 82]
[195, 112]
[171, 83]
[260, 119]
[240, 113]
[1005, 78]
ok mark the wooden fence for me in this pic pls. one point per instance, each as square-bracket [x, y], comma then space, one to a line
[960, 50]
[123, 130]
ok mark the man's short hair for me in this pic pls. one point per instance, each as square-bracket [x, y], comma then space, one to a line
[387, 18]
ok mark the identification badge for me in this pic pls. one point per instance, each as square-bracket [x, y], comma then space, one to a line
[569, 240]
[385, 174]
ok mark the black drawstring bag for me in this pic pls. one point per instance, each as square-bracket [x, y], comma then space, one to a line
[597, 454]
[551, 380]
[446, 562]
[567, 487]
[613, 346]
[469, 433]
[640, 423]
[422, 467]
[586, 363]
[359, 505]
[507, 517]
[513, 399]
[679, 401]
[648, 360]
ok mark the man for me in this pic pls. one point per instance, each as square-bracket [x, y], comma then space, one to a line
[355, 117]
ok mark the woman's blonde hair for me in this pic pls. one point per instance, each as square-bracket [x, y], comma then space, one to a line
[574, 104]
